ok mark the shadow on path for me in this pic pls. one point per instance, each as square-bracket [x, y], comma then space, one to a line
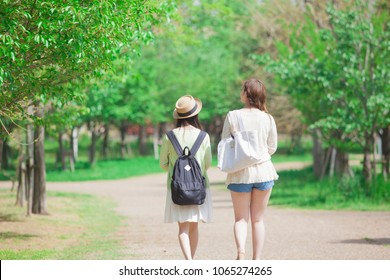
[368, 241]
[290, 234]
[12, 235]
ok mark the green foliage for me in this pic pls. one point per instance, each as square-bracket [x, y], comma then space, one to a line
[46, 44]
[199, 55]
[337, 75]
[107, 170]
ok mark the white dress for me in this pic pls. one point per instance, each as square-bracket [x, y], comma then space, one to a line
[190, 213]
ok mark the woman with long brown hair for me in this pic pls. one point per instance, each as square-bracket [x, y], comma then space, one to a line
[186, 132]
[251, 187]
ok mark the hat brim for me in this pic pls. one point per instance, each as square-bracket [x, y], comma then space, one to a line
[198, 109]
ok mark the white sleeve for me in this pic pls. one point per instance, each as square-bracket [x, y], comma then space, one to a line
[272, 140]
[226, 131]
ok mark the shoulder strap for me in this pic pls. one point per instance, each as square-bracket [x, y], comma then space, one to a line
[175, 143]
[232, 119]
[198, 142]
[239, 121]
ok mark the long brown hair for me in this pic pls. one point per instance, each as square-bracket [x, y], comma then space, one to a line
[194, 121]
[256, 93]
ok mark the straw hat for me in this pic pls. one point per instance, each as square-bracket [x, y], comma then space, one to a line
[186, 107]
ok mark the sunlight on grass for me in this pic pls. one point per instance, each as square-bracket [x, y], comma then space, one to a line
[75, 229]
[300, 189]
[107, 170]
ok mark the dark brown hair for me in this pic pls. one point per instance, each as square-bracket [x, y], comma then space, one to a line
[256, 94]
[194, 121]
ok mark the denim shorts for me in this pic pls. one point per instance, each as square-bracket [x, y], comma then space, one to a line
[263, 186]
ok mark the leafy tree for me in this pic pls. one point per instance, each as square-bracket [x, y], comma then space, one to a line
[337, 75]
[47, 44]
[200, 55]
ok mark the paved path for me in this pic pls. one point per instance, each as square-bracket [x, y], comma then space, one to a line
[291, 234]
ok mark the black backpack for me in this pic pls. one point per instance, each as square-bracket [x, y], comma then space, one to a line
[187, 182]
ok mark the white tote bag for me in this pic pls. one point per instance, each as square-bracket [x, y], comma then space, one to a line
[240, 150]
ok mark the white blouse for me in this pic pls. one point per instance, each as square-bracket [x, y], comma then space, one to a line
[264, 123]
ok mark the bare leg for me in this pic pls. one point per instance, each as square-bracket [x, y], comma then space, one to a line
[194, 237]
[188, 239]
[184, 240]
[241, 205]
[258, 206]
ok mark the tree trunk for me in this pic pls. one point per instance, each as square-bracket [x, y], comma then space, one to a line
[29, 183]
[72, 158]
[342, 167]
[21, 177]
[92, 147]
[214, 128]
[295, 142]
[1, 152]
[327, 159]
[210, 128]
[74, 143]
[29, 187]
[105, 141]
[374, 157]
[142, 140]
[318, 154]
[39, 196]
[162, 129]
[367, 167]
[61, 150]
[385, 139]
[155, 141]
[332, 162]
[123, 131]
[5, 154]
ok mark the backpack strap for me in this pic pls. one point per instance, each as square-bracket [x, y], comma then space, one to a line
[198, 142]
[175, 143]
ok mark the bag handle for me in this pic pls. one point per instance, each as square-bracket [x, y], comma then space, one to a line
[235, 115]
[239, 121]
[241, 125]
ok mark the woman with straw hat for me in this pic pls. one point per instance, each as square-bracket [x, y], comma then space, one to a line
[187, 130]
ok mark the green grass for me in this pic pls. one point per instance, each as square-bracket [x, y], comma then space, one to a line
[107, 170]
[294, 189]
[26, 254]
[299, 189]
[98, 217]
[285, 146]
[117, 169]
[81, 226]
[277, 158]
